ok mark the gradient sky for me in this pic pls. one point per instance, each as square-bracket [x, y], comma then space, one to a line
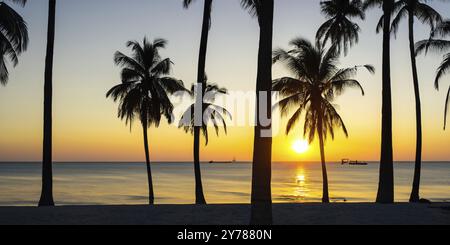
[89, 32]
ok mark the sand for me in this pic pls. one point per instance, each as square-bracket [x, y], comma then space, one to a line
[284, 214]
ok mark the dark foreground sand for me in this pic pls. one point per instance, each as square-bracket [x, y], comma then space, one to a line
[284, 214]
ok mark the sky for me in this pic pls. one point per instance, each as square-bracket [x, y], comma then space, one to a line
[86, 128]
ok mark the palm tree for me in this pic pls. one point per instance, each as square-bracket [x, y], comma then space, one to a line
[144, 91]
[261, 212]
[316, 84]
[47, 175]
[439, 45]
[339, 28]
[211, 112]
[386, 179]
[13, 37]
[425, 14]
[200, 199]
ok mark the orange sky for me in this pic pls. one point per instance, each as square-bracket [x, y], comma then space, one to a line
[85, 123]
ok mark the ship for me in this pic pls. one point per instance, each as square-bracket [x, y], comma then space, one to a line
[350, 162]
[223, 162]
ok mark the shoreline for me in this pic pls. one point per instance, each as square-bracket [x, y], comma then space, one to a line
[231, 214]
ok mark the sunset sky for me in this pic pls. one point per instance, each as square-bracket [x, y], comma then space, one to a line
[89, 32]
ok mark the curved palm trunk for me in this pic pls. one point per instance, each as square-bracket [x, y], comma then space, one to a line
[151, 195]
[418, 163]
[199, 196]
[325, 195]
[261, 198]
[386, 179]
[47, 175]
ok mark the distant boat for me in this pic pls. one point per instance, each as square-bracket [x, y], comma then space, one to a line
[357, 163]
[222, 162]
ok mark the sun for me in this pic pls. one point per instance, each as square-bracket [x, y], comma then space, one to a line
[300, 146]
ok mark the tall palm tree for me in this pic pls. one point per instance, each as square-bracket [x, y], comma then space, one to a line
[312, 91]
[339, 29]
[13, 37]
[47, 175]
[144, 91]
[385, 192]
[199, 198]
[261, 212]
[212, 113]
[439, 45]
[425, 14]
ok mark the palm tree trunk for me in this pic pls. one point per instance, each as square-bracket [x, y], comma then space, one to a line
[199, 197]
[201, 74]
[151, 195]
[418, 163]
[261, 198]
[386, 178]
[47, 175]
[325, 195]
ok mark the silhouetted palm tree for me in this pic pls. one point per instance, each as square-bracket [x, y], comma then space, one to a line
[13, 37]
[200, 199]
[261, 212]
[211, 113]
[47, 175]
[439, 45]
[386, 179]
[425, 14]
[144, 91]
[339, 29]
[312, 91]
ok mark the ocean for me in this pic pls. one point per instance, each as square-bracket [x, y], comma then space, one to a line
[126, 183]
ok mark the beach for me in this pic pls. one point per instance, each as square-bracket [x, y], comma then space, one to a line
[233, 214]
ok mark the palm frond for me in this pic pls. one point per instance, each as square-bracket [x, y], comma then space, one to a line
[443, 69]
[287, 86]
[124, 61]
[402, 13]
[187, 3]
[253, 6]
[434, 45]
[172, 85]
[293, 120]
[427, 15]
[13, 37]
[20, 2]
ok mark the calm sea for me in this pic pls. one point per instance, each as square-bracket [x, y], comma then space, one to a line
[125, 183]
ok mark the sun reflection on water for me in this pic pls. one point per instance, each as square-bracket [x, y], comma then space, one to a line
[301, 189]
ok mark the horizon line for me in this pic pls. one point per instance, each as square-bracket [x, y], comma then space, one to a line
[217, 162]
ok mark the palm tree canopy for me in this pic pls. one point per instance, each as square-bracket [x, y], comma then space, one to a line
[212, 114]
[339, 28]
[419, 9]
[437, 43]
[317, 82]
[13, 37]
[146, 85]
